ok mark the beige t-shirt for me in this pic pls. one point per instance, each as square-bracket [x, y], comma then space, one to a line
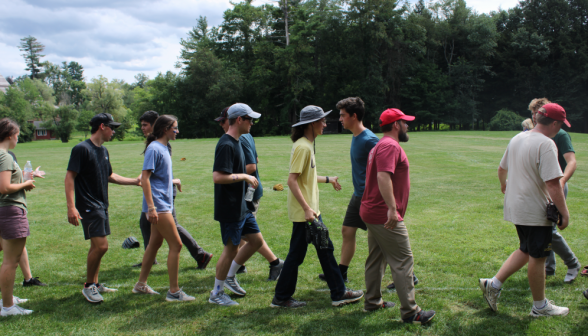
[531, 159]
[18, 198]
[302, 162]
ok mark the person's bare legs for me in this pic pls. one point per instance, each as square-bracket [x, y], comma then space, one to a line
[536, 275]
[24, 265]
[348, 246]
[166, 227]
[98, 247]
[264, 250]
[515, 262]
[225, 260]
[155, 242]
[254, 243]
[13, 249]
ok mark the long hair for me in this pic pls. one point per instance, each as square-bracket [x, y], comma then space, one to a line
[8, 128]
[162, 125]
[298, 132]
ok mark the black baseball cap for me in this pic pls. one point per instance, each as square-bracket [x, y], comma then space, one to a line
[223, 116]
[104, 118]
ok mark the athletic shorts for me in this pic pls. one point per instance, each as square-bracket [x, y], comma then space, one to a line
[95, 223]
[13, 223]
[235, 230]
[352, 218]
[535, 240]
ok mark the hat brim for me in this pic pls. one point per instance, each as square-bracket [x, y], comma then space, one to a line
[113, 125]
[567, 123]
[254, 115]
[312, 120]
[220, 119]
[407, 118]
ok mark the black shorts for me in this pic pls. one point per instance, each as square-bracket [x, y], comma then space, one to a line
[95, 223]
[233, 231]
[352, 218]
[535, 240]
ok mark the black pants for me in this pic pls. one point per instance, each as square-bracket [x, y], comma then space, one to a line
[190, 243]
[287, 282]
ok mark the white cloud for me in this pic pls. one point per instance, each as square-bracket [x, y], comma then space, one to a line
[117, 38]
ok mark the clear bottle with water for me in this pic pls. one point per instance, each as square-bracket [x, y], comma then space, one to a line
[28, 171]
[249, 194]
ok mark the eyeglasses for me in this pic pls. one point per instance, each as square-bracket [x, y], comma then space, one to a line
[251, 120]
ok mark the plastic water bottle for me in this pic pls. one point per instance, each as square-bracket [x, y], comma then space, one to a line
[249, 194]
[28, 171]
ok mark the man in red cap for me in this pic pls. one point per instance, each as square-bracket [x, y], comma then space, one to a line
[383, 205]
[530, 163]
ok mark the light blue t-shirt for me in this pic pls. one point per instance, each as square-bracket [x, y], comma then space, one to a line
[361, 145]
[158, 161]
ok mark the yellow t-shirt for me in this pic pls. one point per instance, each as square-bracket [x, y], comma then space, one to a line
[302, 162]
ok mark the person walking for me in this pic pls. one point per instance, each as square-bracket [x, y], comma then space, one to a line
[14, 225]
[201, 257]
[157, 184]
[230, 209]
[533, 172]
[88, 174]
[251, 161]
[383, 208]
[303, 207]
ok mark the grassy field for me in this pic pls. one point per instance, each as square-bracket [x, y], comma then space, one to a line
[454, 219]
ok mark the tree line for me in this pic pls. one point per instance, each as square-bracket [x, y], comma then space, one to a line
[451, 67]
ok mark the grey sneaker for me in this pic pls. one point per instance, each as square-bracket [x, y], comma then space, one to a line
[491, 294]
[350, 296]
[16, 310]
[15, 300]
[275, 271]
[142, 288]
[290, 303]
[179, 296]
[571, 275]
[222, 299]
[91, 294]
[232, 284]
[104, 289]
[549, 310]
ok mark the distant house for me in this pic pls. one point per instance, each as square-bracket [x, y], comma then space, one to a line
[4, 85]
[41, 133]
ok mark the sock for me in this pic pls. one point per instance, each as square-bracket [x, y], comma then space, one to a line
[218, 286]
[540, 304]
[97, 284]
[275, 262]
[233, 270]
[496, 283]
[343, 270]
[88, 284]
[8, 308]
[28, 280]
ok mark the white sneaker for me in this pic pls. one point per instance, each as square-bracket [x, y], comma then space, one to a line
[549, 310]
[491, 294]
[179, 296]
[104, 289]
[16, 310]
[571, 275]
[15, 300]
[141, 288]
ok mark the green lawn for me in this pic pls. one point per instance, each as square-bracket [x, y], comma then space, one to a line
[454, 218]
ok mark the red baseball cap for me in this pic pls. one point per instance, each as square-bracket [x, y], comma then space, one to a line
[555, 112]
[392, 114]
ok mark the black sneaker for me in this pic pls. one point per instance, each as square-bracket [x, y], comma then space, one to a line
[290, 303]
[322, 277]
[585, 294]
[421, 317]
[139, 265]
[414, 278]
[385, 304]
[33, 282]
[350, 296]
[242, 270]
[275, 271]
[204, 262]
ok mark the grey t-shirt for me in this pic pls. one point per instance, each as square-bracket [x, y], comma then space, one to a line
[531, 160]
[18, 198]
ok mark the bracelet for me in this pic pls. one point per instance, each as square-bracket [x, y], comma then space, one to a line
[327, 179]
[153, 208]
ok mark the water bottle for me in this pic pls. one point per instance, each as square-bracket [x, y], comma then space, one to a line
[28, 171]
[249, 194]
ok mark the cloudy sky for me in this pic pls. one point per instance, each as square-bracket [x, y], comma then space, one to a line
[117, 38]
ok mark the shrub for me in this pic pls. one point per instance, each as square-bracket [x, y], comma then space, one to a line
[506, 120]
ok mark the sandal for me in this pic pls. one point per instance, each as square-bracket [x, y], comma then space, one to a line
[584, 271]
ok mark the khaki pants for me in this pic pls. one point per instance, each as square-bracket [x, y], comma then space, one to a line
[391, 247]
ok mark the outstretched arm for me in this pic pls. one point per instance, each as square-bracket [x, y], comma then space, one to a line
[220, 177]
[115, 178]
[332, 180]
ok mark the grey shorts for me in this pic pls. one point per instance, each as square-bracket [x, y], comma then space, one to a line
[95, 223]
[13, 223]
[352, 218]
[254, 207]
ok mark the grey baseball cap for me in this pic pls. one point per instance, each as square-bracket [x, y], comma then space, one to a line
[311, 113]
[241, 110]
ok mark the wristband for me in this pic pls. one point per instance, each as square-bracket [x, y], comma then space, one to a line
[152, 208]
[327, 179]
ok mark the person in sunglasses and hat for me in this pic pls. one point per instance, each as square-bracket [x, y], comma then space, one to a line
[88, 174]
[383, 206]
[303, 207]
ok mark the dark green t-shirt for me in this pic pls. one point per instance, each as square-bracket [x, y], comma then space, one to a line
[229, 199]
[563, 141]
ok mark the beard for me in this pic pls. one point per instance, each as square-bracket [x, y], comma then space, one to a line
[402, 136]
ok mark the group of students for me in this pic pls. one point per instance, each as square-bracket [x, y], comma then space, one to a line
[381, 180]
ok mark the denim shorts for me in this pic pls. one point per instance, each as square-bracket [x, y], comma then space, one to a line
[234, 230]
